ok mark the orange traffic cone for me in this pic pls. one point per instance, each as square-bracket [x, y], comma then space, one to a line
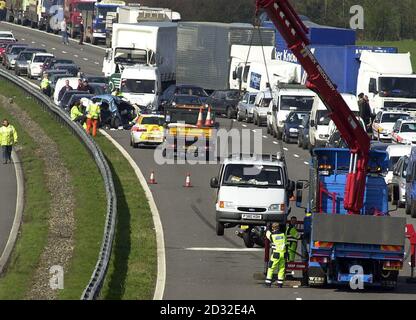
[208, 120]
[188, 181]
[199, 123]
[152, 179]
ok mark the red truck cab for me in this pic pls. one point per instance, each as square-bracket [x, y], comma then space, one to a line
[75, 11]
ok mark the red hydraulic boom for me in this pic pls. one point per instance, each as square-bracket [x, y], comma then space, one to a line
[295, 32]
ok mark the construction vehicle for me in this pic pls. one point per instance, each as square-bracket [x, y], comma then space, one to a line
[352, 235]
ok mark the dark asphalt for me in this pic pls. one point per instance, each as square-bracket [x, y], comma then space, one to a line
[188, 217]
[8, 194]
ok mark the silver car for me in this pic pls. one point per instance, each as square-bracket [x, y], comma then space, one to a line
[245, 107]
[23, 59]
[398, 182]
[11, 55]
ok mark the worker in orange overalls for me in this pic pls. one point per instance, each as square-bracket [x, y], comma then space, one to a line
[93, 117]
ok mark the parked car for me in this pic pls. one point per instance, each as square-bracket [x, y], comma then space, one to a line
[395, 152]
[23, 60]
[11, 53]
[224, 102]
[245, 108]
[182, 90]
[261, 107]
[35, 67]
[115, 111]
[382, 127]
[399, 181]
[64, 103]
[303, 137]
[95, 79]
[6, 37]
[51, 62]
[291, 126]
[410, 203]
[98, 89]
[147, 130]
[404, 132]
[72, 69]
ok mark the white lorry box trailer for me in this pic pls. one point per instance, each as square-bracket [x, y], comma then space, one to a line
[204, 51]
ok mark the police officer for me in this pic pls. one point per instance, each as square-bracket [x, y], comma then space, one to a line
[277, 261]
[45, 85]
[292, 237]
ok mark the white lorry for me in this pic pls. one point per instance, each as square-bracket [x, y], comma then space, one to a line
[142, 52]
[388, 80]
[241, 58]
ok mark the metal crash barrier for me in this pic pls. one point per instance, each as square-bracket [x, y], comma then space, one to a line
[93, 287]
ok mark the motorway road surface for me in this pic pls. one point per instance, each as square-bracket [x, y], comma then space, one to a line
[201, 265]
[8, 194]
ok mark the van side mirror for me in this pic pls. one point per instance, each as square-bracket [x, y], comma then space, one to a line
[372, 86]
[214, 183]
[312, 123]
[234, 75]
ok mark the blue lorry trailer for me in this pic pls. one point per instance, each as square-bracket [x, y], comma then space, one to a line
[340, 244]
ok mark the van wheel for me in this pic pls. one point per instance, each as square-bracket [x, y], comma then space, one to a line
[219, 229]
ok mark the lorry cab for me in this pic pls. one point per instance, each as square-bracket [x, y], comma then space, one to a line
[388, 80]
[141, 85]
[319, 120]
[287, 98]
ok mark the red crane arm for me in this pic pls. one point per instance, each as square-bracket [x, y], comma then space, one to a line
[295, 32]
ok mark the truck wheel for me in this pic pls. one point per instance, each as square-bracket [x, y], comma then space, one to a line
[115, 123]
[248, 240]
[395, 194]
[93, 40]
[408, 208]
[219, 229]
[239, 118]
[413, 209]
[389, 279]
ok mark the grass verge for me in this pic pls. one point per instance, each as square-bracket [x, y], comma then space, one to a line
[90, 208]
[133, 266]
[404, 46]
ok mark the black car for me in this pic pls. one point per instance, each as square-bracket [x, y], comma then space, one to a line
[64, 103]
[51, 62]
[115, 112]
[224, 102]
[94, 79]
[303, 137]
[77, 97]
[182, 90]
[292, 126]
[72, 69]
[98, 88]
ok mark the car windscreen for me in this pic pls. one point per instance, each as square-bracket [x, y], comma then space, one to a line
[408, 127]
[252, 99]
[97, 79]
[62, 61]
[233, 95]
[192, 91]
[392, 162]
[253, 176]
[138, 86]
[393, 117]
[400, 87]
[67, 96]
[188, 100]
[153, 120]
[182, 117]
[295, 118]
[265, 102]
[40, 58]
[6, 36]
[17, 50]
[322, 118]
[25, 56]
[296, 103]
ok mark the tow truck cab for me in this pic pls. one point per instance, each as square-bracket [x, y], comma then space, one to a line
[340, 244]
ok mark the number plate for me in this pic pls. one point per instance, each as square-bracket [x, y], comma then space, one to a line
[252, 216]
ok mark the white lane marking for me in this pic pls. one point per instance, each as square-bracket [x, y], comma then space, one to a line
[265, 137]
[96, 62]
[23, 39]
[307, 163]
[254, 131]
[299, 299]
[296, 156]
[64, 52]
[85, 59]
[244, 125]
[52, 35]
[75, 55]
[43, 45]
[286, 149]
[275, 142]
[234, 120]
[296, 288]
[33, 41]
[53, 48]
[226, 249]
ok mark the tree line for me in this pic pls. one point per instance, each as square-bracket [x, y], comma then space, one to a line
[384, 20]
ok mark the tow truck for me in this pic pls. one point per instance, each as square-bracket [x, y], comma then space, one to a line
[352, 234]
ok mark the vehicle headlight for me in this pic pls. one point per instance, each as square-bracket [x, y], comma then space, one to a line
[277, 207]
[323, 136]
[293, 130]
[226, 205]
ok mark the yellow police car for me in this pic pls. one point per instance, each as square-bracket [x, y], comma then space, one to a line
[147, 130]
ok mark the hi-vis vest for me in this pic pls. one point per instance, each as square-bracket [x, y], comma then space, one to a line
[44, 84]
[93, 111]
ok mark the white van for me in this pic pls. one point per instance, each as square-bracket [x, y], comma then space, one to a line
[319, 120]
[395, 152]
[73, 82]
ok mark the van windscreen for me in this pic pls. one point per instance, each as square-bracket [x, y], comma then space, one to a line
[296, 103]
